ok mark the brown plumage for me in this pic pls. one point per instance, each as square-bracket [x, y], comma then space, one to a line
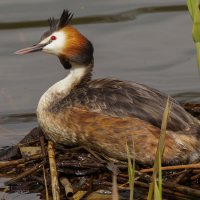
[103, 114]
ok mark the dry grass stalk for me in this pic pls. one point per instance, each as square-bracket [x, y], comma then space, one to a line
[53, 170]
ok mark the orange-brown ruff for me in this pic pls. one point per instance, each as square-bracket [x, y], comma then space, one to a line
[102, 114]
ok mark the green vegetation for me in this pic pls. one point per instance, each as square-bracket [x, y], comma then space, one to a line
[155, 187]
[131, 170]
[193, 7]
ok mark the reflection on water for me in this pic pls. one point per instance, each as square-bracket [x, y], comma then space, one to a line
[17, 118]
[118, 17]
[182, 97]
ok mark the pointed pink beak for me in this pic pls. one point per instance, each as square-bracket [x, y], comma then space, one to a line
[37, 47]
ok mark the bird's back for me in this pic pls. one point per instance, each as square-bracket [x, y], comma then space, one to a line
[118, 98]
[105, 113]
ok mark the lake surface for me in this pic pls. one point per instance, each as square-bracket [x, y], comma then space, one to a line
[146, 41]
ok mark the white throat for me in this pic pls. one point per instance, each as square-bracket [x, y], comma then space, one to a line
[62, 88]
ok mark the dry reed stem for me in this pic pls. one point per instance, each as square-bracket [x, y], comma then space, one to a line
[115, 194]
[25, 173]
[195, 177]
[196, 171]
[44, 172]
[68, 187]
[183, 189]
[189, 166]
[182, 176]
[53, 170]
[168, 192]
[11, 163]
[79, 195]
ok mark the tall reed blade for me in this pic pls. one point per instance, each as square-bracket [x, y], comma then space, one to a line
[155, 189]
[131, 169]
[193, 7]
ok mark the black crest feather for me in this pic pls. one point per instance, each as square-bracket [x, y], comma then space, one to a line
[62, 22]
[56, 25]
[64, 19]
[52, 24]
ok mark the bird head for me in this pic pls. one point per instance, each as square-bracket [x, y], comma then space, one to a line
[64, 41]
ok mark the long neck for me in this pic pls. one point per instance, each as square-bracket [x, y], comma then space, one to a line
[77, 76]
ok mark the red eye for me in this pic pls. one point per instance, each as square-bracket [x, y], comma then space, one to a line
[53, 37]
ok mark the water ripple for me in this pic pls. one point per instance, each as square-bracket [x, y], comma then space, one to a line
[18, 118]
[96, 19]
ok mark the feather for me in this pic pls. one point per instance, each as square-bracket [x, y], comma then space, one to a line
[64, 19]
[117, 98]
[55, 26]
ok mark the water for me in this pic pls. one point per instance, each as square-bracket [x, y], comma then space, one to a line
[145, 41]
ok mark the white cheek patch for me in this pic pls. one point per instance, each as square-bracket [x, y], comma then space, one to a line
[55, 46]
[46, 40]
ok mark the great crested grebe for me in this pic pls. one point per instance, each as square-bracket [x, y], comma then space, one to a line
[103, 113]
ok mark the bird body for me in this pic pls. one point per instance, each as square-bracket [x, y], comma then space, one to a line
[105, 114]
